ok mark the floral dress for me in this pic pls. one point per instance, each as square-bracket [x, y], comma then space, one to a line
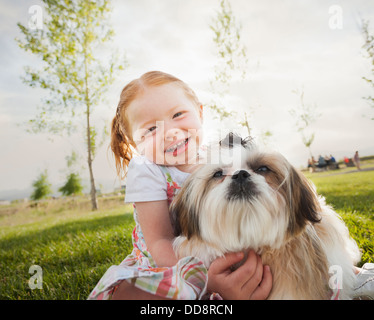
[186, 280]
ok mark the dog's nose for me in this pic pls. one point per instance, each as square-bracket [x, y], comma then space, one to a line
[241, 175]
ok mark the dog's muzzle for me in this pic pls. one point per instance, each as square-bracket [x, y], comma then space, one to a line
[241, 176]
[241, 186]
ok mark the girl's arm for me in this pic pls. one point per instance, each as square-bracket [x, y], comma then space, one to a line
[155, 222]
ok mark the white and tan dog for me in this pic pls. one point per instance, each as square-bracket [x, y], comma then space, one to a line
[263, 203]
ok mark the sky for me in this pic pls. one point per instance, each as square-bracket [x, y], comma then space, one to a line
[291, 45]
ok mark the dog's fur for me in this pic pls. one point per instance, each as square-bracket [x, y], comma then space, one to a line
[265, 204]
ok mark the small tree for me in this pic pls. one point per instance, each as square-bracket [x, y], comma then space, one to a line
[232, 65]
[73, 185]
[75, 70]
[42, 188]
[232, 56]
[369, 47]
[305, 115]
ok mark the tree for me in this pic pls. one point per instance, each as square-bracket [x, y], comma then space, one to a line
[42, 187]
[305, 115]
[232, 56]
[369, 47]
[232, 65]
[70, 46]
[73, 183]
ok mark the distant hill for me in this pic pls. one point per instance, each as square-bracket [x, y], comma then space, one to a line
[15, 194]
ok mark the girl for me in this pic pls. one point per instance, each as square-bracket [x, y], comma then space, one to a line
[160, 117]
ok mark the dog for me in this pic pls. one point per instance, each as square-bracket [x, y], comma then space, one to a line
[261, 202]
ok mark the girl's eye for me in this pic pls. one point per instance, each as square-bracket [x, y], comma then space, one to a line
[178, 114]
[263, 169]
[151, 129]
[218, 174]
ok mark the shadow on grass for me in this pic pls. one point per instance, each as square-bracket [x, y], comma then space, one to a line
[63, 231]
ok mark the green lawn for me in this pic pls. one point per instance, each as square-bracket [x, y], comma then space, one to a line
[74, 246]
[352, 196]
[74, 249]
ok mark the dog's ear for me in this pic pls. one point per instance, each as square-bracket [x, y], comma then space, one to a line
[303, 201]
[233, 139]
[183, 214]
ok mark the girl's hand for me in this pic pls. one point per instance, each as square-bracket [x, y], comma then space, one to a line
[251, 280]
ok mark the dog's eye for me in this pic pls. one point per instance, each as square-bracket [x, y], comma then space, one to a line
[263, 169]
[218, 174]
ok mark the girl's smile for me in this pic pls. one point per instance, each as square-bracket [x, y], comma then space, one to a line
[178, 147]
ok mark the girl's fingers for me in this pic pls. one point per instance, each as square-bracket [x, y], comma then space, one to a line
[222, 264]
[254, 279]
[263, 290]
[250, 281]
[247, 270]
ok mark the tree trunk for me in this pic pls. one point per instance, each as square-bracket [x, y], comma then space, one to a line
[89, 159]
[89, 149]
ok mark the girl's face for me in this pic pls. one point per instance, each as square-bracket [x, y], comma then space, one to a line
[166, 125]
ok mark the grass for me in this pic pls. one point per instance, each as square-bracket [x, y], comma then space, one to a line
[352, 196]
[75, 246]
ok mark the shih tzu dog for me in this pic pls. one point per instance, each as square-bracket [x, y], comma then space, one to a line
[260, 201]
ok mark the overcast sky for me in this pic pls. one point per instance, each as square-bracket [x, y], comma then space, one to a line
[290, 45]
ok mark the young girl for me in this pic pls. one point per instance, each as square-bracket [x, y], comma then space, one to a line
[160, 117]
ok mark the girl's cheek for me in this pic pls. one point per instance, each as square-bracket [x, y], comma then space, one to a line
[152, 148]
[145, 146]
[138, 136]
[195, 123]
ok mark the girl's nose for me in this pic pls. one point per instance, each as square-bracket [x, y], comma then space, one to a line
[173, 134]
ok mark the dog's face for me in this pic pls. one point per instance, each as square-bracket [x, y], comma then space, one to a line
[256, 200]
